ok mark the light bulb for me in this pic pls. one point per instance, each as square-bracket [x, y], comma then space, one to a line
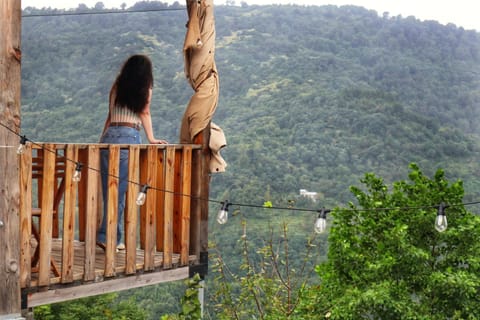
[21, 149]
[320, 225]
[222, 216]
[142, 195]
[441, 222]
[78, 173]
[77, 176]
[21, 146]
[141, 198]
[441, 219]
[321, 222]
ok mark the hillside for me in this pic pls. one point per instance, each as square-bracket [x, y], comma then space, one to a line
[310, 97]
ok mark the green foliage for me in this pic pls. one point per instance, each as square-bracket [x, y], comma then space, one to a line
[191, 308]
[386, 260]
[94, 308]
[142, 303]
[157, 299]
[267, 283]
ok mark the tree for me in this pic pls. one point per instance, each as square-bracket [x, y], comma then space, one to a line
[386, 260]
[99, 6]
[191, 308]
[99, 307]
[269, 279]
[82, 7]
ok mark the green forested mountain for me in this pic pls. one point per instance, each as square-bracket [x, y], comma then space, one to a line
[311, 97]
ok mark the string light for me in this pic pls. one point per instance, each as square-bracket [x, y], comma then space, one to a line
[142, 195]
[321, 222]
[78, 172]
[222, 216]
[21, 146]
[441, 219]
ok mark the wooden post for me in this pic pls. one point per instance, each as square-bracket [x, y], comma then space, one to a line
[10, 76]
[204, 189]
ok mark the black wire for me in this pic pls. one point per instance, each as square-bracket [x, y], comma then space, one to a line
[98, 12]
[249, 205]
[110, 175]
[270, 207]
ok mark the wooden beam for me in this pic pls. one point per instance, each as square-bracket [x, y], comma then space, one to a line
[196, 202]
[113, 285]
[10, 78]
[204, 189]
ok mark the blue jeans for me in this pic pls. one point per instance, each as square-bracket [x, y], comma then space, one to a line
[116, 135]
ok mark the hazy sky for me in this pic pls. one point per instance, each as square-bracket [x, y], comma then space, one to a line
[462, 13]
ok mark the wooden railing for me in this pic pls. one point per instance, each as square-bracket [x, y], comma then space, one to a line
[59, 217]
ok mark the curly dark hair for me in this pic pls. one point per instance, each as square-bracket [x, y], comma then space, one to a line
[134, 82]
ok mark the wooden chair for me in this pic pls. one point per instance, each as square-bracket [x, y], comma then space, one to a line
[59, 190]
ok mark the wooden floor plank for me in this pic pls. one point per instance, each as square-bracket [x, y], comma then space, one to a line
[79, 258]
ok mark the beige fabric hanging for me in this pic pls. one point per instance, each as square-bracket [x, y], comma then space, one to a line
[217, 142]
[201, 73]
[200, 69]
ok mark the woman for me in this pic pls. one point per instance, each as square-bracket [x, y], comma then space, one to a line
[129, 110]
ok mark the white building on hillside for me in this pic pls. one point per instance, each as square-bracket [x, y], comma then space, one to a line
[309, 194]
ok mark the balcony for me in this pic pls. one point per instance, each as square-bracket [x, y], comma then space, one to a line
[165, 238]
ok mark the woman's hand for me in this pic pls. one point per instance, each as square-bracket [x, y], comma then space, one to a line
[158, 141]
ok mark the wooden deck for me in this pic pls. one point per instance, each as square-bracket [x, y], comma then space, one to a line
[166, 237]
[79, 261]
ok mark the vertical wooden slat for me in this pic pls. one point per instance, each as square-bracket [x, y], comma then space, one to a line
[143, 180]
[186, 192]
[69, 215]
[196, 206]
[112, 212]
[150, 205]
[46, 220]
[168, 215]
[26, 216]
[59, 190]
[131, 209]
[204, 190]
[160, 182]
[177, 202]
[82, 193]
[91, 180]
